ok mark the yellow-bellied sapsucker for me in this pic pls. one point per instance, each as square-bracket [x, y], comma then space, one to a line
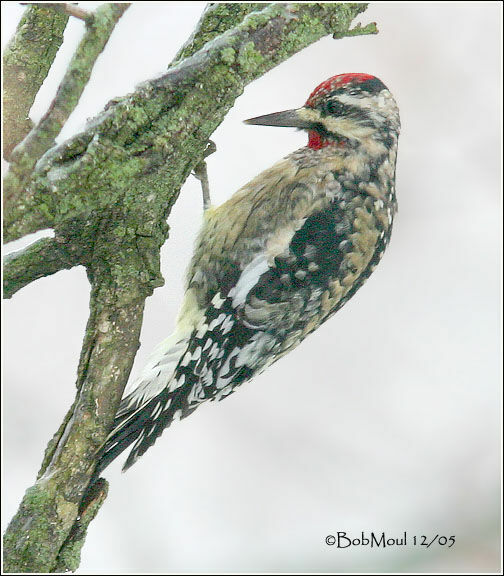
[276, 260]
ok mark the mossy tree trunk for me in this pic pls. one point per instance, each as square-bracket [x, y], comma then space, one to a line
[107, 193]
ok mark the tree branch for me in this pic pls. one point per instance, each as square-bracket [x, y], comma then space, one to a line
[42, 136]
[50, 508]
[116, 183]
[26, 63]
[42, 258]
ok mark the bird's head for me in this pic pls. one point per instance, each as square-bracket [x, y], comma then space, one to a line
[348, 109]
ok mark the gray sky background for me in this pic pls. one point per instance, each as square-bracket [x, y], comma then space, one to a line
[388, 417]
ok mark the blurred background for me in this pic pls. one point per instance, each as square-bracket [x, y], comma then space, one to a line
[387, 418]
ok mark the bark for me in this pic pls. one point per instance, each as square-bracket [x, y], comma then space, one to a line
[107, 193]
[26, 63]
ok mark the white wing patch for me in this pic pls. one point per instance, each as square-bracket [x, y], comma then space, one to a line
[277, 244]
[248, 279]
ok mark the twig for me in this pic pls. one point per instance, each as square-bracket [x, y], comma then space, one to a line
[73, 10]
[65, 8]
[201, 173]
[358, 30]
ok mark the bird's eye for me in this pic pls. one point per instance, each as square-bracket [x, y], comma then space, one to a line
[353, 92]
[334, 107]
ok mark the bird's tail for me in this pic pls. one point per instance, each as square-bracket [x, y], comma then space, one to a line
[207, 358]
[157, 398]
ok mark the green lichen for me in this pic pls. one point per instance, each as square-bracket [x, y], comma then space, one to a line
[217, 19]
[35, 549]
[228, 56]
[120, 231]
[250, 59]
[258, 19]
[359, 30]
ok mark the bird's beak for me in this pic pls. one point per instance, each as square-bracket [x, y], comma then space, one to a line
[287, 118]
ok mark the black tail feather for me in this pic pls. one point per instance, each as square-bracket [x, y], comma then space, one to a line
[141, 425]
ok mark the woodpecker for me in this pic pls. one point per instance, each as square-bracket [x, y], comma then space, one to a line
[276, 260]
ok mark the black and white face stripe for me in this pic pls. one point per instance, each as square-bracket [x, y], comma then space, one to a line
[335, 107]
[347, 100]
[355, 104]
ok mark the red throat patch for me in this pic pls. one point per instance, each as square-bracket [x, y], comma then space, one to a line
[316, 141]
